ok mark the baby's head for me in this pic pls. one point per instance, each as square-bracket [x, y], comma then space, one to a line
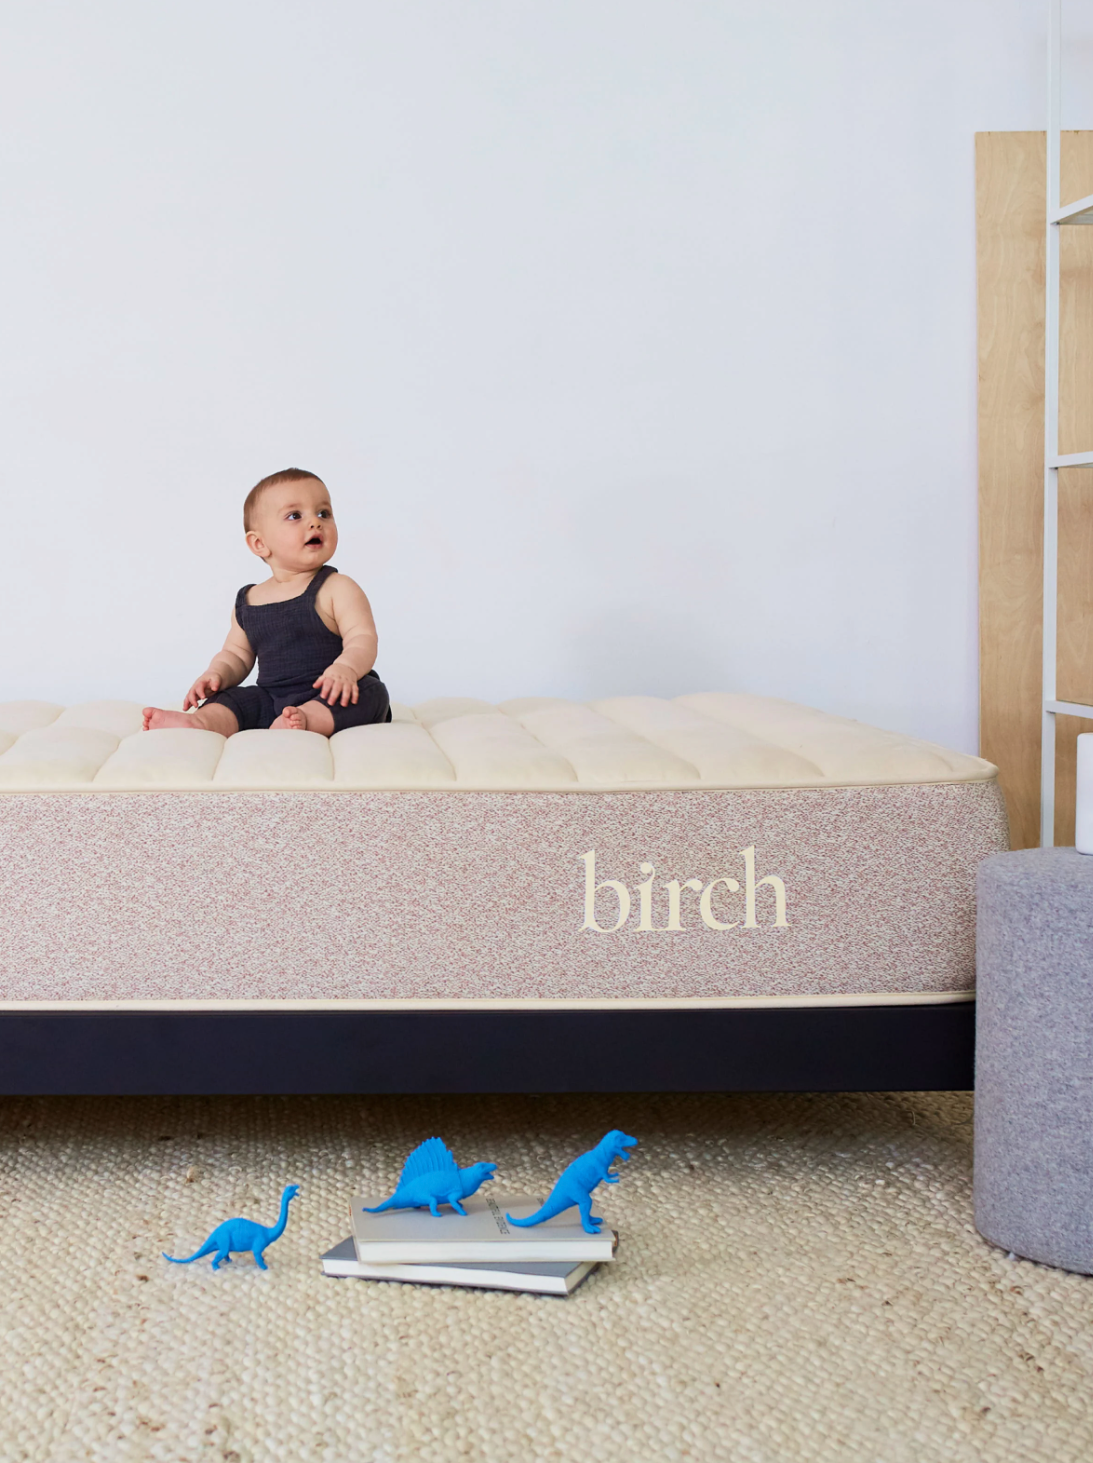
[289, 522]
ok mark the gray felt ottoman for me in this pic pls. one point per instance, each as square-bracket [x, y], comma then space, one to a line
[1034, 1056]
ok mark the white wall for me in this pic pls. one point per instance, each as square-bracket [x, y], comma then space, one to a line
[634, 338]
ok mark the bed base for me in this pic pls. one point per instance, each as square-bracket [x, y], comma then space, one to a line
[797, 1049]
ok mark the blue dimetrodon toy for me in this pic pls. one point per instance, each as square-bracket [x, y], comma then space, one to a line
[239, 1235]
[575, 1183]
[431, 1177]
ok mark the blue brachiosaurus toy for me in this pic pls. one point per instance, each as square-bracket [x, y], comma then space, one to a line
[575, 1183]
[431, 1177]
[240, 1235]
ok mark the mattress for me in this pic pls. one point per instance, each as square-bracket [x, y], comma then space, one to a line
[712, 849]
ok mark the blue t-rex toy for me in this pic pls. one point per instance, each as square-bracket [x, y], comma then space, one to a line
[431, 1176]
[240, 1235]
[575, 1183]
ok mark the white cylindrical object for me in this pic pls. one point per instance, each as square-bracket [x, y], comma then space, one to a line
[1083, 803]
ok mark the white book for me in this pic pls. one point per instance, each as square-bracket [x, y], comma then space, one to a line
[559, 1278]
[415, 1236]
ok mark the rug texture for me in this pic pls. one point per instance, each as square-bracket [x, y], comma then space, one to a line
[798, 1278]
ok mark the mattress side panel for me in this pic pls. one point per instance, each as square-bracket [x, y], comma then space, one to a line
[400, 895]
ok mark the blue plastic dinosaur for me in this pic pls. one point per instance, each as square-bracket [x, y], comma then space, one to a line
[241, 1235]
[431, 1176]
[575, 1183]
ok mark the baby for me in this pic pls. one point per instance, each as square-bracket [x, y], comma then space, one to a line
[309, 627]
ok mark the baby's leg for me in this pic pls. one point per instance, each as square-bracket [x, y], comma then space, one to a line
[211, 717]
[371, 706]
[311, 716]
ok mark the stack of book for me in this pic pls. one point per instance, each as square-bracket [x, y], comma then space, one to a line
[479, 1248]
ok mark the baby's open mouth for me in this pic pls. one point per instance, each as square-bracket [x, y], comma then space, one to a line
[314, 539]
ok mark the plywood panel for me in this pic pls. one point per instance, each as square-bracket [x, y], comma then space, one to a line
[1010, 182]
[1010, 202]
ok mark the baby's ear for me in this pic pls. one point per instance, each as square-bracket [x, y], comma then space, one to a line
[257, 545]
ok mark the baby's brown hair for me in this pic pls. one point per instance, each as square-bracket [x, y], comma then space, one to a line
[286, 475]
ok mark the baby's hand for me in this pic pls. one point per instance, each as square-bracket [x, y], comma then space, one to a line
[338, 685]
[205, 686]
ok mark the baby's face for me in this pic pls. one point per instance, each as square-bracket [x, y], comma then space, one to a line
[294, 526]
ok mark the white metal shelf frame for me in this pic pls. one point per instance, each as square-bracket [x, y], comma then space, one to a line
[1080, 212]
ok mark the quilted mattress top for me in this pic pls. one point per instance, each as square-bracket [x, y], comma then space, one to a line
[624, 743]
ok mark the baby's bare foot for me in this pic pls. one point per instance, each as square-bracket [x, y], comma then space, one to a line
[155, 719]
[292, 718]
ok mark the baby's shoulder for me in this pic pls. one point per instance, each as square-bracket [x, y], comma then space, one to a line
[344, 602]
[339, 586]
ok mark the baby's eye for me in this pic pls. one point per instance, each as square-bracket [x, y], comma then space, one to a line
[294, 514]
[324, 512]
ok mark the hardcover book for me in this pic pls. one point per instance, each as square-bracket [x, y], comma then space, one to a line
[415, 1237]
[557, 1278]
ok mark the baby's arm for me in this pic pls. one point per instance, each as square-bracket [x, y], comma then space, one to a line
[353, 618]
[232, 665]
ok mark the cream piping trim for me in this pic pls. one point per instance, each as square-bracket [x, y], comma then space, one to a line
[85, 789]
[518, 1003]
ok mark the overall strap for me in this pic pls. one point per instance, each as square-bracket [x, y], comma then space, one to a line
[241, 600]
[317, 583]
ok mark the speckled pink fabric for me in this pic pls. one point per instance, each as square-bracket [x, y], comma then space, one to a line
[329, 896]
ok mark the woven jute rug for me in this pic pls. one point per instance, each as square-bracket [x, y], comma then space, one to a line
[798, 1278]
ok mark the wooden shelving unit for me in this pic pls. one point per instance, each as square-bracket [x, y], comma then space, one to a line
[1027, 481]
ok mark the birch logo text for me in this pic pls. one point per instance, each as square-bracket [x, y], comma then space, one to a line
[761, 898]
